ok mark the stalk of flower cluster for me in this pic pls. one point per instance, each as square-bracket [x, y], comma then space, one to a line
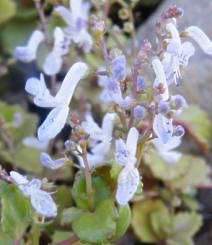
[88, 179]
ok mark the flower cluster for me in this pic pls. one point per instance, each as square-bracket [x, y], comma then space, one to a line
[140, 112]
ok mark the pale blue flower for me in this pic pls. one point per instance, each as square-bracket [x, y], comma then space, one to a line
[41, 200]
[76, 19]
[48, 162]
[163, 127]
[200, 38]
[57, 117]
[101, 137]
[128, 178]
[28, 53]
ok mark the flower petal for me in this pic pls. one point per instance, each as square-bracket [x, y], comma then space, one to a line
[28, 53]
[64, 13]
[19, 179]
[128, 181]
[160, 78]
[43, 203]
[132, 140]
[107, 125]
[53, 124]
[163, 127]
[75, 73]
[47, 161]
[200, 38]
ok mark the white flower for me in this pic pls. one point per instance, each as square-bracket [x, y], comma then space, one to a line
[128, 178]
[53, 61]
[102, 136]
[76, 19]
[166, 150]
[177, 55]
[28, 53]
[41, 200]
[33, 142]
[171, 28]
[163, 127]
[160, 78]
[200, 38]
[56, 119]
[48, 162]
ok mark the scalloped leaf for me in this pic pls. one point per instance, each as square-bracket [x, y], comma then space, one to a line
[16, 212]
[199, 121]
[185, 225]
[161, 222]
[162, 170]
[96, 227]
[197, 173]
[141, 222]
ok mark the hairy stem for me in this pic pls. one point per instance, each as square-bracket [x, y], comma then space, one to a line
[88, 180]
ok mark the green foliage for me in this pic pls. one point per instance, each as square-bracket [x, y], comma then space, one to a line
[96, 227]
[12, 149]
[7, 10]
[199, 121]
[152, 221]
[188, 171]
[100, 188]
[123, 221]
[16, 212]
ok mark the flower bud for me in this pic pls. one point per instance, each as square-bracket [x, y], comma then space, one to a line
[139, 112]
[179, 102]
[179, 131]
[163, 107]
[141, 84]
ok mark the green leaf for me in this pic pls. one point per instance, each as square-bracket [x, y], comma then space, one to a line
[197, 173]
[7, 10]
[180, 240]
[123, 221]
[27, 158]
[100, 188]
[199, 121]
[63, 197]
[13, 34]
[188, 171]
[69, 215]
[165, 171]
[161, 223]
[141, 222]
[97, 227]
[5, 239]
[16, 211]
[60, 236]
[28, 121]
[186, 223]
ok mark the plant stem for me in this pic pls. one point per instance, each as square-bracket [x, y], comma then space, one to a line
[88, 180]
[43, 20]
